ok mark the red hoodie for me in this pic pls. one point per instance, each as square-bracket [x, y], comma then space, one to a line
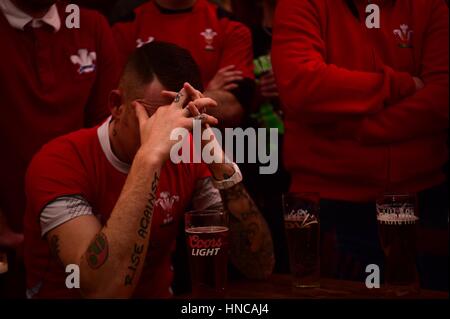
[355, 125]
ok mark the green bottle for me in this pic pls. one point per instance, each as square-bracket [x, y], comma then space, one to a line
[266, 116]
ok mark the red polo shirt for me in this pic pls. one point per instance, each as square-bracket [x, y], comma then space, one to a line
[213, 39]
[355, 125]
[81, 164]
[51, 83]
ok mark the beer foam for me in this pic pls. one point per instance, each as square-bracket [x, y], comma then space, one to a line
[397, 219]
[294, 218]
[300, 221]
[207, 229]
[299, 216]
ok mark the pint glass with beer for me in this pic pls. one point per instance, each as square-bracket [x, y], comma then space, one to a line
[301, 221]
[207, 244]
[397, 222]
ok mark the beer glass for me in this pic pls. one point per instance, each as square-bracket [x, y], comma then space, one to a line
[207, 244]
[397, 223]
[301, 222]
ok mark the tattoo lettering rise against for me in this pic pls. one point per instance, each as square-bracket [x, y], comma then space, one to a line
[143, 232]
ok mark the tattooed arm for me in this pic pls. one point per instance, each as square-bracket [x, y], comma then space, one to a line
[250, 239]
[111, 257]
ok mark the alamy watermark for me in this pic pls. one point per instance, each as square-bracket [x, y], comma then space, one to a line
[240, 146]
[373, 277]
[73, 17]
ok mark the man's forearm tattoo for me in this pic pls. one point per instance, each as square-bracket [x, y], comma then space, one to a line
[98, 251]
[143, 231]
[251, 249]
[135, 261]
[146, 218]
[247, 206]
[251, 242]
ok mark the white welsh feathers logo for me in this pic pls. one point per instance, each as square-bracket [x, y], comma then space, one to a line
[209, 35]
[166, 202]
[140, 42]
[404, 35]
[301, 218]
[85, 60]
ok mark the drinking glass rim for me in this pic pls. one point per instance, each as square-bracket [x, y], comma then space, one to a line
[205, 212]
[308, 196]
[399, 195]
[301, 193]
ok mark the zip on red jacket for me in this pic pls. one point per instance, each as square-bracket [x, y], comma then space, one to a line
[355, 124]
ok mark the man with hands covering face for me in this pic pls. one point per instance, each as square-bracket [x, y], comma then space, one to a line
[93, 195]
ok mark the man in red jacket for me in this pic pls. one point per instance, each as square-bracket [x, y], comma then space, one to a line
[366, 109]
[54, 79]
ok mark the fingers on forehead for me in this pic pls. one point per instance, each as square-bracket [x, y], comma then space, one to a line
[193, 109]
[205, 102]
[169, 94]
[187, 122]
[191, 91]
[141, 113]
[205, 119]
[208, 119]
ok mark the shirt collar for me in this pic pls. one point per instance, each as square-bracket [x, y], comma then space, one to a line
[103, 138]
[19, 19]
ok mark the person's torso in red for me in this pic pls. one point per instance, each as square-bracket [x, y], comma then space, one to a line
[345, 169]
[213, 40]
[75, 164]
[45, 93]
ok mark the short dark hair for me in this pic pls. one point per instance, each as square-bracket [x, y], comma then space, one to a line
[171, 64]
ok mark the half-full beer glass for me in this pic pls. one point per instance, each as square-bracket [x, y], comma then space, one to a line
[207, 244]
[301, 222]
[397, 222]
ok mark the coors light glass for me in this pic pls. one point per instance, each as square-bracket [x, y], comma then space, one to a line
[207, 244]
[397, 222]
[301, 222]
